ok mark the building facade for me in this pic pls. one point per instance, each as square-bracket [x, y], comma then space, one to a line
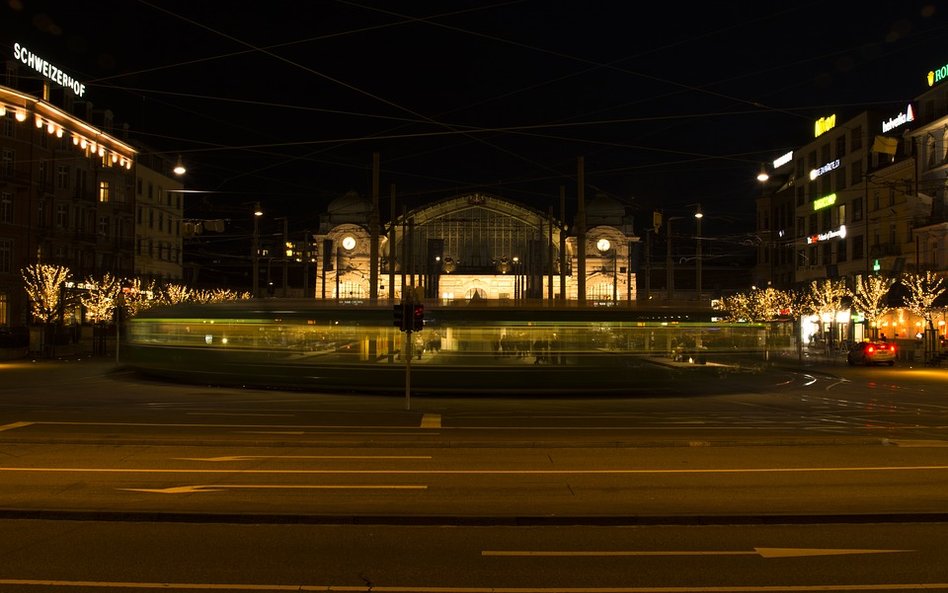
[66, 196]
[475, 246]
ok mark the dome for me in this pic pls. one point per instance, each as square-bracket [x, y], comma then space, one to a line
[349, 204]
[351, 208]
[604, 210]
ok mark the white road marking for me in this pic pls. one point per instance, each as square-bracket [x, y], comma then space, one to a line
[249, 457]
[480, 472]
[762, 552]
[13, 425]
[219, 487]
[168, 586]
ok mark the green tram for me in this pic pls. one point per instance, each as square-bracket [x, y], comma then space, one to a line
[356, 347]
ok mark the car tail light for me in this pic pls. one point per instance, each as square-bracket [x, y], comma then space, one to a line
[870, 349]
[892, 347]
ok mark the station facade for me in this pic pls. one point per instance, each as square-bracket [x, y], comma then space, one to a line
[476, 246]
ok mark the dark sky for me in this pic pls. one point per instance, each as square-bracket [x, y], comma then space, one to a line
[670, 103]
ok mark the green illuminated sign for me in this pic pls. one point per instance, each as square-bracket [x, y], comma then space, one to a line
[876, 266]
[824, 202]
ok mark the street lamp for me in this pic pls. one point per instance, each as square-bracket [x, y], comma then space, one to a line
[255, 249]
[698, 216]
[179, 168]
[669, 265]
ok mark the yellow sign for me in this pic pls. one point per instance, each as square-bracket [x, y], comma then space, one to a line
[824, 202]
[825, 124]
[937, 75]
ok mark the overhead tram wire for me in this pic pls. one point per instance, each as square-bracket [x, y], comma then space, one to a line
[337, 81]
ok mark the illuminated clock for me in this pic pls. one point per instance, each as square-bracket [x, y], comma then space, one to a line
[348, 243]
[603, 245]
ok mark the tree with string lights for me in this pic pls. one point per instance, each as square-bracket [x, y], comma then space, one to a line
[45, 286]
[824, 298]
[870, 298]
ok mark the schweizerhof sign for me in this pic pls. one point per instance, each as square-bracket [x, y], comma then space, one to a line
[53, 73]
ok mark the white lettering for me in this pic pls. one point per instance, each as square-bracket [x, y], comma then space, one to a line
[824, 169]
[47, 69]
[840, 233]
[901, 119]
[783, 160]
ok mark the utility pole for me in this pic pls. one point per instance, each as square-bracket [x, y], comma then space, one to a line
[286, 256]
[581, 233]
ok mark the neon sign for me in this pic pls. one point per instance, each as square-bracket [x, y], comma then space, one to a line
[824, 169]
[781, 161]
[899, 120]
[21, 54]
[936, 76]
[838, 233]
[824, 124]
[824, 202]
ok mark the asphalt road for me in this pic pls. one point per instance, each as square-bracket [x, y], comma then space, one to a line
[814, 479]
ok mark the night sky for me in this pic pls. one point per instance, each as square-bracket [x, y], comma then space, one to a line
[669, 103]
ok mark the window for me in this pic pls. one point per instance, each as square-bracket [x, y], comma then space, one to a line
[841, 146]
[801, 227]
[62, 177]
[841, 214]
[801, 197]
[875, 200]
[841, 251]
[6, 125]
[827, 222]
[856, 177]
[139, 211]
[103, 191]
[801, 258]
[151, 218]
[6, 207]
[812, 227]
[825, 153]
[857, 209]
[892, 236]
[104, 224]
[6, 255]
[62, 216]
[81, 177]
[4, 309]
[841, 179]
[825, 187]
[827, 254]
[800, 168]
[6, 162]
[856, 142]
[857, 247]
[43, 171]
[930, 149]
[151, 191]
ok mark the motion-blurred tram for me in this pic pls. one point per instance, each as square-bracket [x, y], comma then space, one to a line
[489, 348]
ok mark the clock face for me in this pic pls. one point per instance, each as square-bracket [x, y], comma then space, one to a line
[603, 245]
[348, 243]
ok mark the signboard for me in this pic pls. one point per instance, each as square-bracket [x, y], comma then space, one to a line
[824, 124]
[901, 119]
[25, 56]
[783, 160]
[824, 202]
[824, 169]
[839, 233]
[936, 76]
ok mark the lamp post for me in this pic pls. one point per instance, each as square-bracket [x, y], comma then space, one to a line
[669, 265]
[698, 216]
[255, 249]
[762, 177]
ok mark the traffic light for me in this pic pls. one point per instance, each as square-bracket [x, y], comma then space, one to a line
[398, 314]
[417, 318]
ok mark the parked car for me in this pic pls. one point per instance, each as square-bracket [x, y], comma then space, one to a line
[872, 353]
